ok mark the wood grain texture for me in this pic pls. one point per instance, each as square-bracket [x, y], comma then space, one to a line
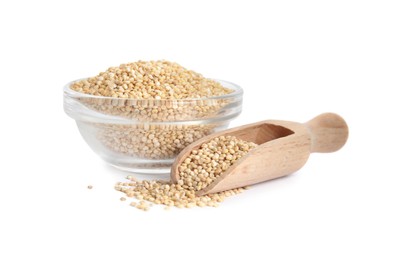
[284, 148]
[329, 132]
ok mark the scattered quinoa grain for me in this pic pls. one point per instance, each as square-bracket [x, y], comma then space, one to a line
[129, 177]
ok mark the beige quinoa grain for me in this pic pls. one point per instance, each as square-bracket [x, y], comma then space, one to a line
[197, 171]
[153, 80]
[150, 92]
[162, 142]
[205, 164]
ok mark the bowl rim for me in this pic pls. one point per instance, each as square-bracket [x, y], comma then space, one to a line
[238, 91]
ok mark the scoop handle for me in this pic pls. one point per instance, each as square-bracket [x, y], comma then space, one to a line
[328, 131]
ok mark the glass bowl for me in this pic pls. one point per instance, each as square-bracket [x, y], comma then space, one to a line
[145, 136]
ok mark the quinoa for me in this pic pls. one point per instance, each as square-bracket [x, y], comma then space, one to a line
[150, 142]
[196, 172]
[150, 80]
[152, 94]
[205, 164]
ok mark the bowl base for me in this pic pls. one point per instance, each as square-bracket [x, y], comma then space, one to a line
[160, 169]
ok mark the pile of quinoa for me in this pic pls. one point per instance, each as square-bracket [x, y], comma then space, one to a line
[149, 92]
[196, 172]
[150, 80]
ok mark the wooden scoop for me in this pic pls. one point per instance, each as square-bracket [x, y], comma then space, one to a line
[283, 148]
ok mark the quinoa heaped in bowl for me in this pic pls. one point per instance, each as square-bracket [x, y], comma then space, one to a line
[140, 115]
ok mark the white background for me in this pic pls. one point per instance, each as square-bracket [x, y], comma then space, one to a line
[294, 59]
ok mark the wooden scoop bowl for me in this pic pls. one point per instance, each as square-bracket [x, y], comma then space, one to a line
[283, 148]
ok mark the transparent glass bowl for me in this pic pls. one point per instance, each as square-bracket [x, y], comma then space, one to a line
[145, 136]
